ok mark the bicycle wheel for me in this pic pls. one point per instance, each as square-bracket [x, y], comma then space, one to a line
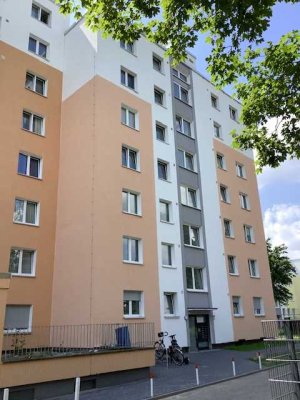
[159, 350]
[177, 356]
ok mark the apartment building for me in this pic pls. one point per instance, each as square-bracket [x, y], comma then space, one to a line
[122, 199]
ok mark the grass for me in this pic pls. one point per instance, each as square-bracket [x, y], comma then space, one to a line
[255, 346]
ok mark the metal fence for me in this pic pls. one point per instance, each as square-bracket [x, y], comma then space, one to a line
[69, 340]
[282, 344]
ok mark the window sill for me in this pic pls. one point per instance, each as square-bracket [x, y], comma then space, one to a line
[222, 169]
[164, 180]
[161, 105]
[242, 177]
[169, 266]
[226, 202]
[129, 88]
[129, 52]
[185, 135]
[167, 222]
[233, 274]
[130, 127]
[260, 315]
[194, 208]
[38, 56]
[34, 133]
[29, 176]
[238, 315]
[159, 71]
[39, 94]
[170, 316]
[229, 237]
[193, 247]
[132, 262]
[133, 316]
[216, 108]
[219, 137]
[246, 209]
[197, 290]
[25, 223]
[131, 169]
[162, 141]
[134, 215]
[187, 169]
[17, 331]
[249, 242]
[254, 277]
[22, 275]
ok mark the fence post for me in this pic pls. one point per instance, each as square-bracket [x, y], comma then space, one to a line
[197, 374]
[77, 389]
[151, 386]
[233, 367]
[259, 360]
[5, 394]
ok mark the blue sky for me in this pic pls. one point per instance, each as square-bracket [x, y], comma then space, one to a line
[279, 188]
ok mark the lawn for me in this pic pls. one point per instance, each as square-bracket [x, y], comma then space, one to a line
[255, 346]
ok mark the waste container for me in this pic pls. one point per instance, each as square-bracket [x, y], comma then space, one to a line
[122, 336]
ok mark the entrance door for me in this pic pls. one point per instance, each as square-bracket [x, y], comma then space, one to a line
[199, 332]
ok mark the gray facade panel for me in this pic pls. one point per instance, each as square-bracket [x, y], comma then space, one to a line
[186, 177]
[197, 300]
[193, 257]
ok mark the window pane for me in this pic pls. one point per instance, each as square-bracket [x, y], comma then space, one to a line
[123, 115]
[192, 198]
[195, 237]
[169, 308]
[132, 159]
[126, 307]
[125, 249]
[180, 158]
[131, 119]
[40, 86]
[125, 201]
[184, 95]
[176, 90]
[134, 250]
[135, 304]
[42, 50]
[124, 156]
[22, 164]
[164, 211]
[44, 17]
[34, 167]
[27, 262]
[179, 124]
[189, 278]
[187, 128]
[32, 45]
[189, 160]
[14, 261]
[198, 278]
[129, 47]
[183, 194]
[160, 133]
[166, 254]
[35, 11]
[19, 211]
[186, 234]
[158, 97]
[30, 213]
[17, 317]
[130, 79]
[26, 121]
[162, 171]
[29, 82]
[37, 125]
[133, 203]
[123, 77]
[156, 64]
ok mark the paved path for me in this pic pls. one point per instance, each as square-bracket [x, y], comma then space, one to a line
[251, 387]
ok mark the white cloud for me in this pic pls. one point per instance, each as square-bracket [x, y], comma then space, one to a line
[282, 225]
[288, 172]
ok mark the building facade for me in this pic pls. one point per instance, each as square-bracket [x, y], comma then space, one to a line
[122, 198]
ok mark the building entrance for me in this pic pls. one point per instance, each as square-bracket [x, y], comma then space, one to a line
[199, 332]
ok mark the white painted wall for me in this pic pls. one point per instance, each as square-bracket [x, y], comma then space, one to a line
[17, 24]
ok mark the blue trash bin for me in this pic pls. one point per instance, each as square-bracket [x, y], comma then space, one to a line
[122, 336]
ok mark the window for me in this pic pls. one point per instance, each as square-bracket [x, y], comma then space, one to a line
[244, 200]
[36, 84]
[130, 158]
[22, 262]
[169, 303]
[249, 235]
[133, 303]
[132, 250]
[131, 202]
[214, 101]
[127, 46]
[258, 306]
[157, 63]
[186, 160]
[220, 161]
[233, 113]
[162, 168]
[127, 79]
[18, 318]
[228, 230]
[40, 14]
[26, 212]
[240, 170]
[224, 193]
[159, 96]
[129, 117]
[160, 133]
[179, 75]
[253, 268]
[181, 93]
[183, 126]
[217, 130]
[189, 196]
[194, 278]
[29, 165]
[33, 123]
[38, 47]
[166, 254]
[165, 211]
[192, 236]
[232, 265]
[237, 306]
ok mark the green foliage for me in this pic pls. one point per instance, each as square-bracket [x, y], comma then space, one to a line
[282, 272]
[270, 87]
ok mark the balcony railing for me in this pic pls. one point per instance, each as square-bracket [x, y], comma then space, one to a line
[71, 340]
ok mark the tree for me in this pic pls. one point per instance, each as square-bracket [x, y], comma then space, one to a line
[266, 80]
[282, 272]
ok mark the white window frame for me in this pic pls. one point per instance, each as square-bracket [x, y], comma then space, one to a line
[181, 124]
[138, 202]
[240, 170]
[40, 13]
[253, 267]
[167, 168]
[173, 296]
[184, 196]
[261, 307]
[37, 215]
[126, 73]
[185, 163]
[200, 236]
[129, 47]
[204, 283]
[222, 164]
[240, 306]
[162, 94]
[230, 225]
[234, 264]
[33, 266]
[233, 113]
[140, 250]
[129, 110]
[137, 157]
[244, 201]
[141, 305]
[34, 79]
[158, 58]
[214, 104]
[165, 133]
[29, 157]
[180, 97]
[32, 116]
[217, 128]
[38, 42]
[170, 247]
[26, 330]
[251, 231]
[226, 191]
[179, 75]
[169, 211]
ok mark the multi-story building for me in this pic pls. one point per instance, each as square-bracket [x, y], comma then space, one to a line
[121, 198]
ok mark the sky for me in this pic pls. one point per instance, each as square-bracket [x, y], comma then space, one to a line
[279, 188]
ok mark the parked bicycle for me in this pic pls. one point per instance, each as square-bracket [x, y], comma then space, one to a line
[174, 351]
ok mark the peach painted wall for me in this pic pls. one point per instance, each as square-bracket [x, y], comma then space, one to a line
[14, 98]
[248, 326]
[89, 273]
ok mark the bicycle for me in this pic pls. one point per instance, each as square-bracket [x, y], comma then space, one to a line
[174, 351]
